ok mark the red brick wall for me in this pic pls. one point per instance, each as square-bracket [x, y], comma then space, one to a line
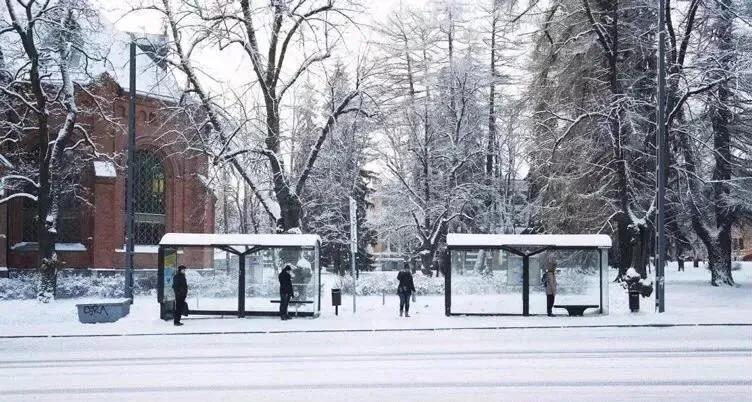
[189, 206]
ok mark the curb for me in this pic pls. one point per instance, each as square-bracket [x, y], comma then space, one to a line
[356, 330]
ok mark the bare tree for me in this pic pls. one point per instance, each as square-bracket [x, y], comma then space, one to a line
[268, 36]
[45, 55]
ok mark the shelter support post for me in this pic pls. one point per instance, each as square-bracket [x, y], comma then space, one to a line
[448, 286]
[241, 285]
[160, 284]
[525, 285]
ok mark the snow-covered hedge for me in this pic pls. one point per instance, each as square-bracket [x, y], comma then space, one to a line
[75, 283]
[219, 284]
[376, 283]
[24, 287]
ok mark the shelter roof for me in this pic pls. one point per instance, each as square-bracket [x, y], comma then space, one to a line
[526, 240]
[229, 240]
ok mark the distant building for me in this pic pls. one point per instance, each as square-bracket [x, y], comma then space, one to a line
[169, 190]
[741, 241]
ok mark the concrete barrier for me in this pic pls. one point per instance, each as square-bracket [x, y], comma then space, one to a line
[92, 313]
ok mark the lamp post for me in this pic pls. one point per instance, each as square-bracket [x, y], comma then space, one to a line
[662, 155]
[353, 244]
[129, 224]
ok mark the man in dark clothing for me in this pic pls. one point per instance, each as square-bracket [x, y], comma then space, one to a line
[180, 286]
[285, 291]
[405, 288]
[550, 285]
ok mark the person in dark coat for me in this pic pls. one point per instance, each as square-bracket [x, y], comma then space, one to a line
[550, 284]
[405, 288]
[285, 291]
[180, 287]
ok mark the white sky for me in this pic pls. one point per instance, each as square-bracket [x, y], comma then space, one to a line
[150, 23]
[230, 68]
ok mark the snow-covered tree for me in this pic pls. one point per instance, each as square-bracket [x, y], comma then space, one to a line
[713, 131]
[44, 79]
[280, 42]
[433, 112]
[341, 173]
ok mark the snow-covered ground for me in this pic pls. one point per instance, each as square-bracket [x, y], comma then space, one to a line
[689, 300]
[560, 359]
[544, 364]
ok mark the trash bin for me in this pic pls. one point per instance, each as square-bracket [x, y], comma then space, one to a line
[336, 300]
[336, 297]
[634, 301]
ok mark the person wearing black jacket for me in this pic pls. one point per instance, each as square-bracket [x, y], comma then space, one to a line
[285, 291]
[180, 286]
[405, 288]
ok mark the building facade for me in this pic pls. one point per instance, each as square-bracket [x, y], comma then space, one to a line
[170, 191]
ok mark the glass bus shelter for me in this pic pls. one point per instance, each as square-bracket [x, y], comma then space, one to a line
[236, 274]
[494, 274]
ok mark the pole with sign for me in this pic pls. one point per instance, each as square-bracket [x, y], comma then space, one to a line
[353, 244]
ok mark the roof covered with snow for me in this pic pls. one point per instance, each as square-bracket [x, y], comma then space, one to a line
[218, 239]
[552, 240]
[152, 79]
[106, 50]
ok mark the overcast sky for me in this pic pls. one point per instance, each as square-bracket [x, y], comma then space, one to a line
[150, 23]
[225, 69]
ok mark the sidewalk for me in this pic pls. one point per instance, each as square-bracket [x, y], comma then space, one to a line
[690, 302]
[356, 330]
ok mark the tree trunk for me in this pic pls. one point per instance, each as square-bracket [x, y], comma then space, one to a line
[641, 249]
[480, 260]
[46, 242]
[719, 261]
[623, 246]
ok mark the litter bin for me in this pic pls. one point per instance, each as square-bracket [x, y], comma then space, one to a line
[336, 300]
[634, 301]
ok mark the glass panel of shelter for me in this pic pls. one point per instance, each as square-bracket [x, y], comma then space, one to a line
[486, 281]
[262, 283]
[577, 279]
[489, 281]
[212, 277]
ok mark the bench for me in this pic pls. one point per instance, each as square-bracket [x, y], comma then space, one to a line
[296, 302]
[576, 309]
[293, 301]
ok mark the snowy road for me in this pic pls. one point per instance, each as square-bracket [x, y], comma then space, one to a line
[666, 364]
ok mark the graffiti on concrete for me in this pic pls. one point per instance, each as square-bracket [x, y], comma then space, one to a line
[95, 310]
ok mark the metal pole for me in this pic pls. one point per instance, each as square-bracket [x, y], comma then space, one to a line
[129, 187]
[353, 245]
[662, 160]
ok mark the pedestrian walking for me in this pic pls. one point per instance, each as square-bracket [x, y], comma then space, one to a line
[550, 283]
[285, 291]
[180, 287]
[405, 288]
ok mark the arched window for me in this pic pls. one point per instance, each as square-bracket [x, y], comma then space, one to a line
[149, 198]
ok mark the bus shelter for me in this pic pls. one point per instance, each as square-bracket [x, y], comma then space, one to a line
[500, 274]
[236, 274]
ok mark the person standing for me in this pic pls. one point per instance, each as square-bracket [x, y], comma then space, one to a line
[285, 291]
[550, 282]
[180, 287]
[405, 288]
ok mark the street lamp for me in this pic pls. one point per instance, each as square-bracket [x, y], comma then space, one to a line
[129, 205]
[662, 154]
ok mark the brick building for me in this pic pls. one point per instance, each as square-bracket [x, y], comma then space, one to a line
[170, 192]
